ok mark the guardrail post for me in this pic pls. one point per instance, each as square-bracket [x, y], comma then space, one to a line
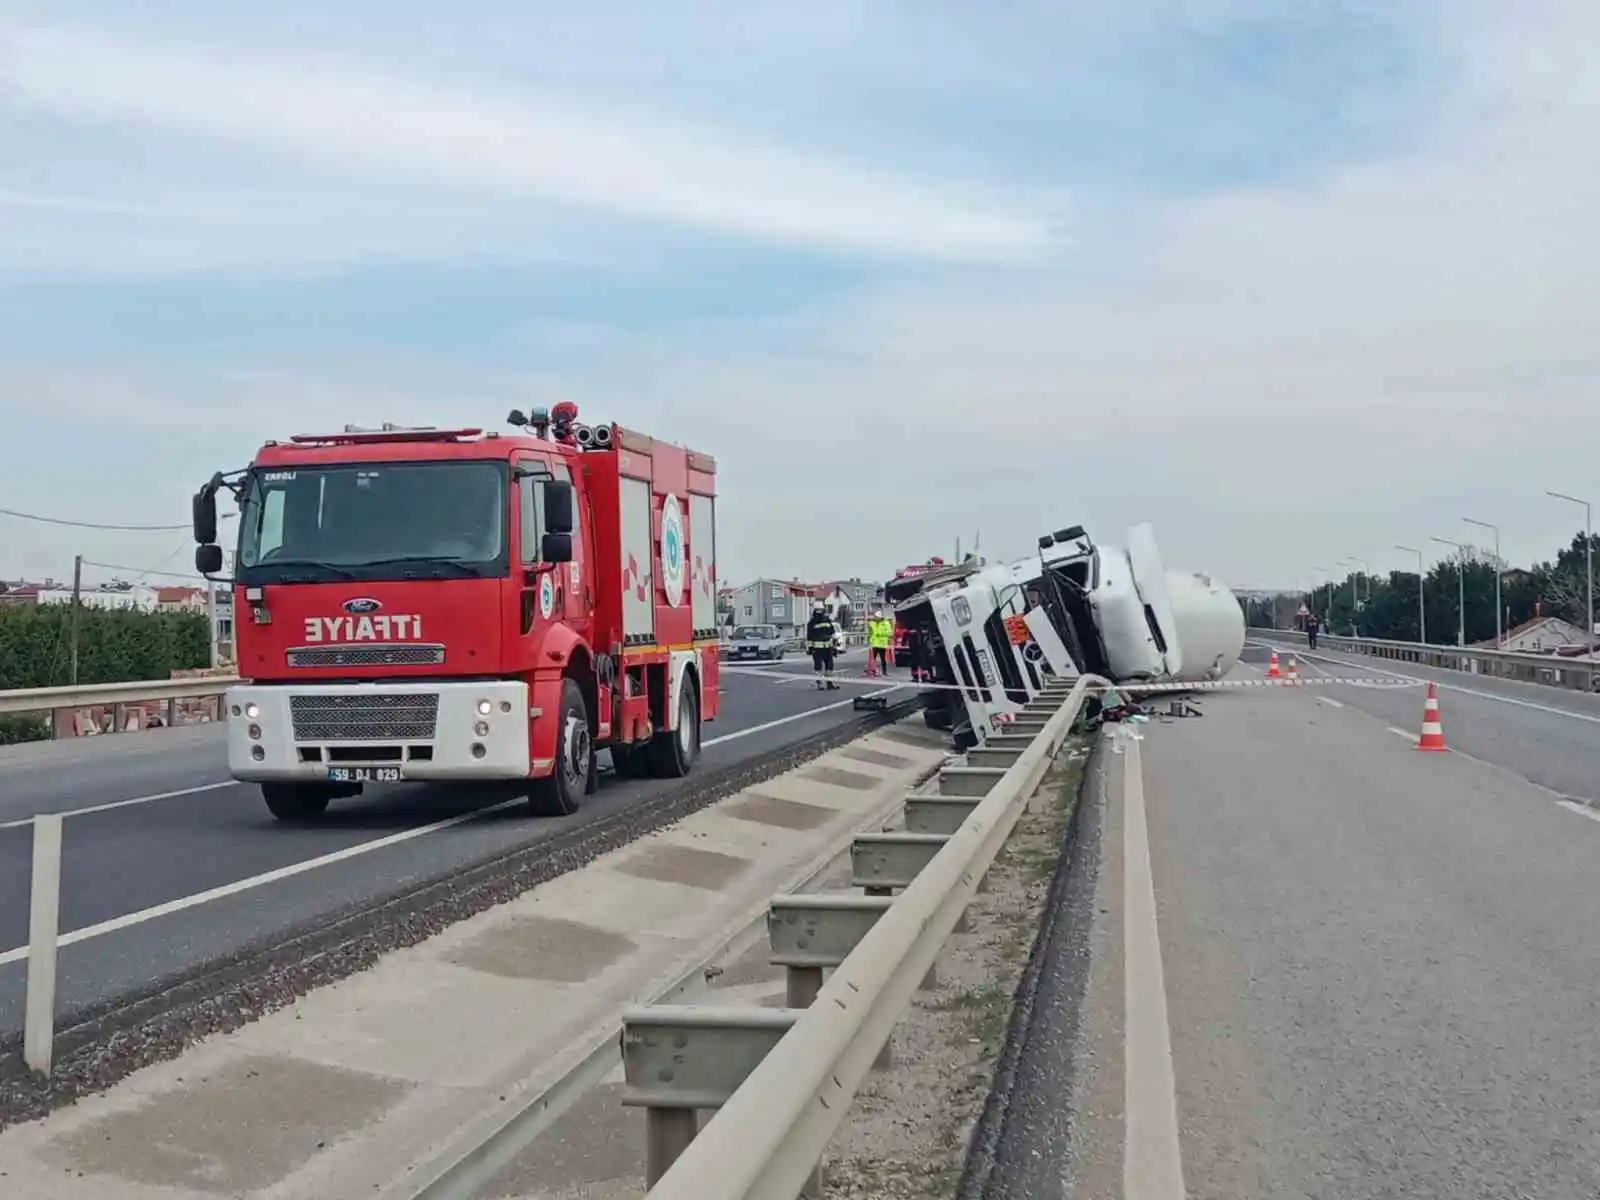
[44, 914]
[680, 1059]
[892, 860]
[811, 932]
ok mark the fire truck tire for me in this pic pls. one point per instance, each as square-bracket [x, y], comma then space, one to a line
[296, 801]
[562, 791]
[673, 751]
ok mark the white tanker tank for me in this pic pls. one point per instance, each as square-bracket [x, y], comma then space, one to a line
[1132, 617]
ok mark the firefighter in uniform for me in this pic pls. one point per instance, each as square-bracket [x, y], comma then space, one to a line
[819, 640]
[880, 633]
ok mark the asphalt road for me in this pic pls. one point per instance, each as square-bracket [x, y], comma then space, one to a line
[154, 820]
[1377, 966]
[1549, 736]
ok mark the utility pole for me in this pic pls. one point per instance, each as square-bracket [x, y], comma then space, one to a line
[72, 618]
[211, 619]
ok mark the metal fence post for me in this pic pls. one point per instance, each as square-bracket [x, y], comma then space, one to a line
[44, 913]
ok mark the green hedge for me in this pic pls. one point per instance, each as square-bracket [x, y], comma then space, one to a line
[114, 645]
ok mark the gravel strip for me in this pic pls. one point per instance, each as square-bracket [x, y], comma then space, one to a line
[910, 1125]
[97, 1048]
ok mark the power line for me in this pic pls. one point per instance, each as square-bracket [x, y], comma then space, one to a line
[89, 562]
[22, 516]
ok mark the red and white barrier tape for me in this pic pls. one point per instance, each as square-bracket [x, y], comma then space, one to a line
[1216, 685]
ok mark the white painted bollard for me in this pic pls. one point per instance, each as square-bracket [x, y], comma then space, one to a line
[44, 913]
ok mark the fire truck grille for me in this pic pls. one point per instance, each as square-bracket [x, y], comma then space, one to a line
[365, 717]
[387, 655]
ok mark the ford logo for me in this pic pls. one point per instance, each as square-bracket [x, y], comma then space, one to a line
[362, 605]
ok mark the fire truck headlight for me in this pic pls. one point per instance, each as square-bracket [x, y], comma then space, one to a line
[481, 728]
[255, 733]
[257, 753]
[485, 708]
[252, 711]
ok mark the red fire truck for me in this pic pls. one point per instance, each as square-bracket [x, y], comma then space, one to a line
[902, 645]
[450, 604]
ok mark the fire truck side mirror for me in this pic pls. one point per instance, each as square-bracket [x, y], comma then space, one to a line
[556, 548]
[208, 558]
[558, 510]
[204, 514]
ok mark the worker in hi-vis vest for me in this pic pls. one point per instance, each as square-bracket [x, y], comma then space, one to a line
[880, 633]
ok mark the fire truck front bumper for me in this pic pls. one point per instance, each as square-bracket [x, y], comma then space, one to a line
[346, 734]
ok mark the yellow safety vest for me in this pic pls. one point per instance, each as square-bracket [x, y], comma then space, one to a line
[880, 632]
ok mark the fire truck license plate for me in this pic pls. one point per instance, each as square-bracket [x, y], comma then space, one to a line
[363, 774]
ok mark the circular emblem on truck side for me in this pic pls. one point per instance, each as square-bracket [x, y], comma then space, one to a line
[362, 604]
[672, 550]
[547, 596]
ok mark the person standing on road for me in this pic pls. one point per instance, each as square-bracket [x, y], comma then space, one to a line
[1313, 626]
[819, 640]
[880, 632]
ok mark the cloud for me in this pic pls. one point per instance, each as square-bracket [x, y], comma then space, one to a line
[354, 123]
[1354, 341]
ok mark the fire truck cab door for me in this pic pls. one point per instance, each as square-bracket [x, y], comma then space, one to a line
[538, 588]
[572, 582]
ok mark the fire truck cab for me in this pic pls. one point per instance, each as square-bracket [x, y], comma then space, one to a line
[450, 604]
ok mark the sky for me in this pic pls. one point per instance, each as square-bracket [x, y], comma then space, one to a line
[1294, 283]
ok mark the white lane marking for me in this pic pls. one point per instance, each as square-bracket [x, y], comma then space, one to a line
[1466, 691]
[255, 881]
[1152, 1156]
[1405, 733]
[1330, 701]
[227, 783]
[1583, 810]
[107, 807]
[310, 864]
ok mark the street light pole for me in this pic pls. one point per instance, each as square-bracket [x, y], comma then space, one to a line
[1499, 639]
[1328, 571]
[1461, 588]
[1588, 556]
[1422, 601]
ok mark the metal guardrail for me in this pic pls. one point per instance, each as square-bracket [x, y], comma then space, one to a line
[118, 695]
[782, 1080]
[1550, 670]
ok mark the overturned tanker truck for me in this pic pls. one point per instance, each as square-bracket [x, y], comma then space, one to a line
[990, 634]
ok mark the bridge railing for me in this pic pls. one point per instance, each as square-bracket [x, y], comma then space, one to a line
[1551, 670]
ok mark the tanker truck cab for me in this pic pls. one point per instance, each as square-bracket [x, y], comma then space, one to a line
[989, 671]
[486, 609]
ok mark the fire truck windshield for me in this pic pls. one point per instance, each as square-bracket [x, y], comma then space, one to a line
[378, 520]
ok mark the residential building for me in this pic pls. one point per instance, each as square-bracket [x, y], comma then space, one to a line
[134, 596]
[1541, 635]
[785, 603]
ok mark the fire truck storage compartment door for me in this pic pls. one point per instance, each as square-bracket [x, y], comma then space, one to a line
[638, 563]
[1150, 579]
[1050, 643]
[703, 562]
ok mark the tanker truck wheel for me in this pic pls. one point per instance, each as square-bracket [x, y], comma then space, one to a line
[296, 801]
[560, 793]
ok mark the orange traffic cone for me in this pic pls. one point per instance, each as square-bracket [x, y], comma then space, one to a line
[1272, 667]
[1294, 676]
[1432, 732]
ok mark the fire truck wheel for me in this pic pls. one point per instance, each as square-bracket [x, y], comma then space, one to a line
[295, 801]
[673, 751]
[560, 794]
